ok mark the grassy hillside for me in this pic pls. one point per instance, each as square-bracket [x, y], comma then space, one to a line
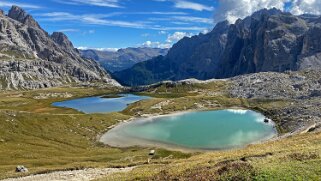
[46, 138]
[295, 158]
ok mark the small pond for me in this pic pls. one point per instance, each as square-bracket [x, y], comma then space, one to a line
[205, 130]
[100, 104]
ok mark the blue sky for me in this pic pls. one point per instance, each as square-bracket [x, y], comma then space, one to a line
[118, 24]
[132, 23]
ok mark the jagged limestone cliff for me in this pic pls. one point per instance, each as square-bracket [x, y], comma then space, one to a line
[30, 58]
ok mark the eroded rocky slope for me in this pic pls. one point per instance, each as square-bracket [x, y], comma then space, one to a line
[30, 58]
[301, 90]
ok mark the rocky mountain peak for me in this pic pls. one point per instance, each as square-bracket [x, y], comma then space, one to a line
[1, 12]
[270, 12]
[17, 13]
[34, 59]
[222, 25]
[22, 16]
[267, 41]
[62, 40]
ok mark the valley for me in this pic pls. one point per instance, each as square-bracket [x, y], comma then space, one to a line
[123, 58]
[66, 139]
[71, 114]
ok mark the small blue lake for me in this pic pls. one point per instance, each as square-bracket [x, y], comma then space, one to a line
[204, 130]
[101, 105]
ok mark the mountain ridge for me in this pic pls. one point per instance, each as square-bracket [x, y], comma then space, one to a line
[123, 58]
[268, 40]
[32, 59]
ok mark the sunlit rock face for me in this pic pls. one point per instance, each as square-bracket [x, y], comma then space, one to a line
[30, 58]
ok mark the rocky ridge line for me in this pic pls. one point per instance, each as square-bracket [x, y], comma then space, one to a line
[30, 58]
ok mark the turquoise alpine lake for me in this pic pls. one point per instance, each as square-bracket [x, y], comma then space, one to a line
[101, 105]
[205, 130]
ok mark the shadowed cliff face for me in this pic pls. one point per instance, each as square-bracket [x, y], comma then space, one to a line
[268, 40]
[30, 58]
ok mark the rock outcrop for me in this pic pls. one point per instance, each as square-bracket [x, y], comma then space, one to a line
[268, 40]
[30, 58]
[21, 168]
[298, 91]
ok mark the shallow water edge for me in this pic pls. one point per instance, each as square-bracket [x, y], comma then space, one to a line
[111, 138]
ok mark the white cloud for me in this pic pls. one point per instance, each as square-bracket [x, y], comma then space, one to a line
[159, 13]
[180, 23]
[205, 31]
[162, 32]
[193, 19]
[184, 23]
[95, 19]
[99, 49]
[177, 36]
[184, 4]
[180, 28]
[103, 3]
[100, 19]
[192, 5]
[234, 9]
[306, 7]
[68, 30]
[168, 43]
[22, 5]
[151, 44]
[231, 10]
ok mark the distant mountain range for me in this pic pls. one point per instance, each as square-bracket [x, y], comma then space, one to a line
[268, 40]
[123, 58]
[30, 58]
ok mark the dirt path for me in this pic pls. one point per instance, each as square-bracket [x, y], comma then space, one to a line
[76, 175]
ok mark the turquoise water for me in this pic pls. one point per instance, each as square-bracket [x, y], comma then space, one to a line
[101, 105]
[194, 130]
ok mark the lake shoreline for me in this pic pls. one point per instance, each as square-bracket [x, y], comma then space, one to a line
[117, 142]
[100, 104]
